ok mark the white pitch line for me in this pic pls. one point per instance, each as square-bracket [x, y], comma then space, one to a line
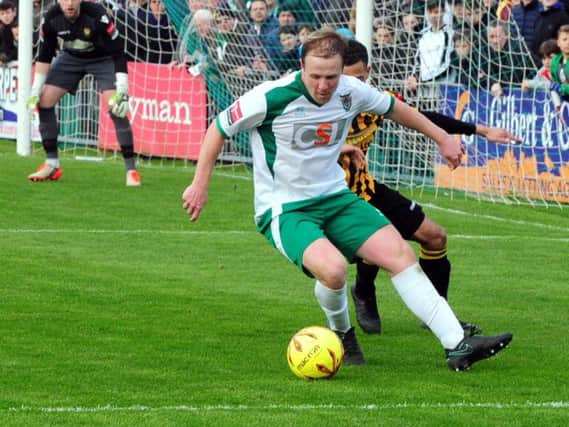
[508, 237]
[245, 408]
[497, 218]
[103, 231]
[241, 232]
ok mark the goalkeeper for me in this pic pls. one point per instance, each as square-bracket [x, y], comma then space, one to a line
[89, 43]
[407, 216]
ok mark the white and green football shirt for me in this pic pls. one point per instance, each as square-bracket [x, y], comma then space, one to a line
[295, 141]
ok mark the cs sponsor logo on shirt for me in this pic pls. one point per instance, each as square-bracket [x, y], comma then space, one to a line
[312, 135]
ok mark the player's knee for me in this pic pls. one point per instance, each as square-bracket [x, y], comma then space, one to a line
[401, 256]
[431, 236]
[406, 255]
[437, 239]
[334, 274]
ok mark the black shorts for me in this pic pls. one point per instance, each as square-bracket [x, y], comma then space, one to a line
[406, 215]
[66, 71]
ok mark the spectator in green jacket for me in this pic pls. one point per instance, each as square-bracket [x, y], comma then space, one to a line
[560, 65]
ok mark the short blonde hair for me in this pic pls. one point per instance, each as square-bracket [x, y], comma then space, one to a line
[324, 43]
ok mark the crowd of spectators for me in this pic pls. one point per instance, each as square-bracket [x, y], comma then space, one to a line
[480, 43]
[489, 44]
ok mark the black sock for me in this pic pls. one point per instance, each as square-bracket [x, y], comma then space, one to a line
[125, 140]
[365, 278]
[48, 128]
[50, 147]
[436, 266]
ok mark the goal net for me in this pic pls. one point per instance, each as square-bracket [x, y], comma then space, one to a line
[466, 59]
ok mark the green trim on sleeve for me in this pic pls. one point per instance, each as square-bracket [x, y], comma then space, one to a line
[219, 128]
[390, 105]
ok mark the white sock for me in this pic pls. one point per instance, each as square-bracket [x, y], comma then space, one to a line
[52, 162]
[334, 303]
[418, 293]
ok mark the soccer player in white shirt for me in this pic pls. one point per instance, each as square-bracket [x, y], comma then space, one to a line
[302, 204]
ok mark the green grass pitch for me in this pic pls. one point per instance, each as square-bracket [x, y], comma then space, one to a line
[116, 310]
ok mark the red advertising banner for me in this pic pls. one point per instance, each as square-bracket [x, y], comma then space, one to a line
[168, 112]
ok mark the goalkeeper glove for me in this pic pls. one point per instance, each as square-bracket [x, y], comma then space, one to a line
[119, 101]
[39, 80]
[119, 105]
[33, 103]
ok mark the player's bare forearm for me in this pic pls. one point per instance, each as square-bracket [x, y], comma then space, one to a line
[210, 150]
[497, 135]
[411, 118]
[449, 147]
[355, 153]
[455, 126]
[195, 195]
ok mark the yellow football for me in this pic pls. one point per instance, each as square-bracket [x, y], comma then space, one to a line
[314, 353]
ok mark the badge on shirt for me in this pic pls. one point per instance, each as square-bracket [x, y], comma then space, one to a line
[87, 32]
[234, 113]
[346, 101]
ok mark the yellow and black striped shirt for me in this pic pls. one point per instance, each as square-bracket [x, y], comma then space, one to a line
[361, 135]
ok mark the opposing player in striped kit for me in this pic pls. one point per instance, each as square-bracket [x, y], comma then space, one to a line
[406, 215]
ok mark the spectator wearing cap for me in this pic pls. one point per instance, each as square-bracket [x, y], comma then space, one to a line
[302, 10]
[286, 15]
[525, 14]
[551, 17]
